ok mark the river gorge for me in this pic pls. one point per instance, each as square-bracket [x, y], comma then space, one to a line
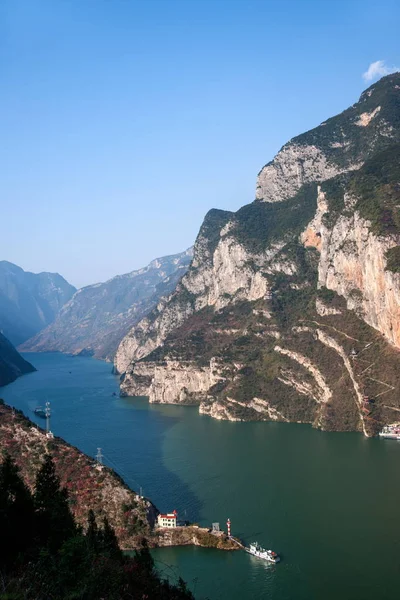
[327, 502]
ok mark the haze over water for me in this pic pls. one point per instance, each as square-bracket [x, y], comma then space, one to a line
[328, 502]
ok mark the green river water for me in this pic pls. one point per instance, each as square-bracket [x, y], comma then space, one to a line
[329, 503]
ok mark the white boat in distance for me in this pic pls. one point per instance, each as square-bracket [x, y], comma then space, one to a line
[256, 550]
[391, 432]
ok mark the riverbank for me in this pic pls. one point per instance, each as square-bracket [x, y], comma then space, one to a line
[94, 486]
[193, 536]
[89, 484]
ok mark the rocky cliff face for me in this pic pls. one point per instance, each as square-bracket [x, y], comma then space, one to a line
[290, 308]
[216, 275]
[29, 301]
[338, 145]
[12, 365]
[353, 264]
[98, 316]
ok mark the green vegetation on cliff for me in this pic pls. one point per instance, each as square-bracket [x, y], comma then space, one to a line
[259, 224]
[211, 227]
[45, 555]
[344, 140]
[393, 259]
[375, 188]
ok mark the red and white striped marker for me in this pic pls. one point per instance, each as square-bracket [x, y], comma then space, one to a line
[228, 524]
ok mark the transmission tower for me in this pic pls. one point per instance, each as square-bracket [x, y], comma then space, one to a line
[99, 456]
[47, 412]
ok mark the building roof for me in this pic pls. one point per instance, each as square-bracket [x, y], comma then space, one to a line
[171, 515]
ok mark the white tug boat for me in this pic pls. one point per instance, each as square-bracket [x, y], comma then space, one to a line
[256, 550]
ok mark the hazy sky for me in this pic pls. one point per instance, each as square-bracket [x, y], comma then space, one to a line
[124, 121]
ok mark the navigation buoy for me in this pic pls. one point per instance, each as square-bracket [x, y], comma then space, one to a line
[228, 524]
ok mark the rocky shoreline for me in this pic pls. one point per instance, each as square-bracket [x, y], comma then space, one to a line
[192, 535]
[96, 487]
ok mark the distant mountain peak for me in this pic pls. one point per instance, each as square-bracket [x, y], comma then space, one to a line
[98, 316]
[29, 301]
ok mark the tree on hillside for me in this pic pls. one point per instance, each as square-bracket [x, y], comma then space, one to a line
[44, 555]
[55, 523]
[92, 532]
[109, 541]
[16, 516]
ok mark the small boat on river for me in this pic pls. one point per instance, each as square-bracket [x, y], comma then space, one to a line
[256, 550]
[40, 412]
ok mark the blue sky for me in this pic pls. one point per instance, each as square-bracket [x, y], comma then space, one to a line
[123, 122]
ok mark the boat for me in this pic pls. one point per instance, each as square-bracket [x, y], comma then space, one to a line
[40, 412]
[391, 432]
[256, 550]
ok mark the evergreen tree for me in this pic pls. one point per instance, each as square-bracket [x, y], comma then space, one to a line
[109, 541]
[44, 555]
[144, 559]
[92, 533]
[16, 516]
[55, 523]
[74, 567]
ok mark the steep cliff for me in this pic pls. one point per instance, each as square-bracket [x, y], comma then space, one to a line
[98, 316]
[29, 301]
[340, 144]
[12, 365]
[289, 310]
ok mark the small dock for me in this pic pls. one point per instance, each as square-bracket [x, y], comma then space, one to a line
[169, 531]
[237, 542]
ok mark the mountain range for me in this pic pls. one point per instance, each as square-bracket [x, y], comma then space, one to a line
[29, 301]
[290, 309]
[97, 317]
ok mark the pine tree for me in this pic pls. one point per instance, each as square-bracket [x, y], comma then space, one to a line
[55, 523]
[94, 536]
[109, 541]
[43, 554]
[92, 532]
[16, 515]
[144, 559]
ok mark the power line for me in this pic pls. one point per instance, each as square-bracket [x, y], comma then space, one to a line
[117, 468]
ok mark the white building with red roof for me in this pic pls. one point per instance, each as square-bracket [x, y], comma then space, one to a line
[168, 520]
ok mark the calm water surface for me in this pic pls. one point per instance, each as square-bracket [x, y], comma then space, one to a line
[328, 502]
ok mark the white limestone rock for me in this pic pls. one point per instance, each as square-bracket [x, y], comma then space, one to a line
[353, 264]
[292, 167]
[233, 274]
